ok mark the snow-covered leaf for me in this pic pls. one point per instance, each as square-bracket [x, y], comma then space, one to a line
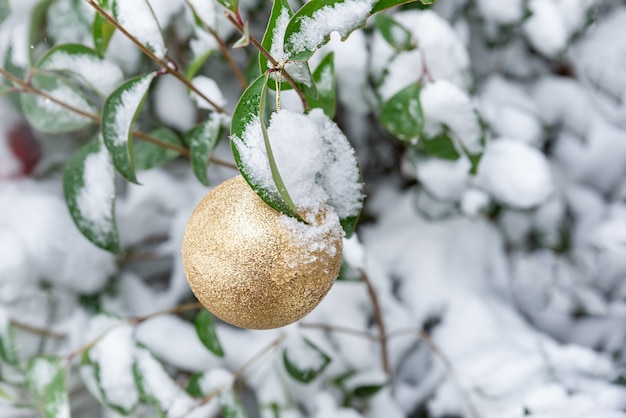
[113, 359]
[149, 155]
[157, 387]
[138, 19]
[8, 354]
[324, 77]
[231, 405]
[202, 140]
[446, 106]
[45, 378]
[84, 63]
[205, 328]
[304, 360]
[46, 115]
[120, 111]
[89, 185]
[312, 25]
[402, 114]
[248, 111]
[274, 34]
[394, 33]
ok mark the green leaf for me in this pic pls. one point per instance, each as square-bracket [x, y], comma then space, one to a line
[84, 64]
[46, 115]
[205, 328]
[367, 391]
[381, 5]
[196, 64]
[89, 186]
[244, 41]
[232, 5]
[402, 114]
[5, 10]
[308, 372]
[202, 141]
[441, 146]
[394, 33]
[45, 379]
[8, 354]
[102, 31]
[194, 388]
[324, 77]
[311, 26]
[149, 155]
[246, 112]
[120, 111]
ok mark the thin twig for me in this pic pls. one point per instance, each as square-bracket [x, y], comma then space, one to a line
[166, 66]
[271, 59]
[446, 362]
[38, 331]
[191, 306]
[28, 88]
[341, 329]
[222, 46]
[237, 374]
[378, 317]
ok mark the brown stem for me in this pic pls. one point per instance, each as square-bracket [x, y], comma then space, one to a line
[378, 317]
[163, 63]
[191, 306]
[338, 328]
[223, 48]
[271, 59]
[36, 330]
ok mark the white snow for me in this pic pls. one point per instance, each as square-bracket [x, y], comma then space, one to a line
[172, 104]
[443, 103]
[103, 75]
[515, 174]
[341, 17]
[311, 162]
[95, 198]
[137, 17]
[502, 12]
[210, 89]
[278, 37]
[65, 94]
[114, 354]
[545, 28]
[443, 51]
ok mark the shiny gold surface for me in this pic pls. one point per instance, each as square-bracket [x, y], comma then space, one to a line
[239, 259]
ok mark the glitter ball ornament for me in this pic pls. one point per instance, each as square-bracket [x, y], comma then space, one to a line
[254, 267]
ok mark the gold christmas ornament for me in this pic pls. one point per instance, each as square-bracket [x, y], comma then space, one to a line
[254, 267]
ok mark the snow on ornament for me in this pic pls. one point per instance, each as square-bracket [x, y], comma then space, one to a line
[248, 263]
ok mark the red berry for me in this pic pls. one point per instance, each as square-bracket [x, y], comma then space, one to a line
[24, 146]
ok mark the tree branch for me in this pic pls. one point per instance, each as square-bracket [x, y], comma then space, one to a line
[271, 59]
[166, 66]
